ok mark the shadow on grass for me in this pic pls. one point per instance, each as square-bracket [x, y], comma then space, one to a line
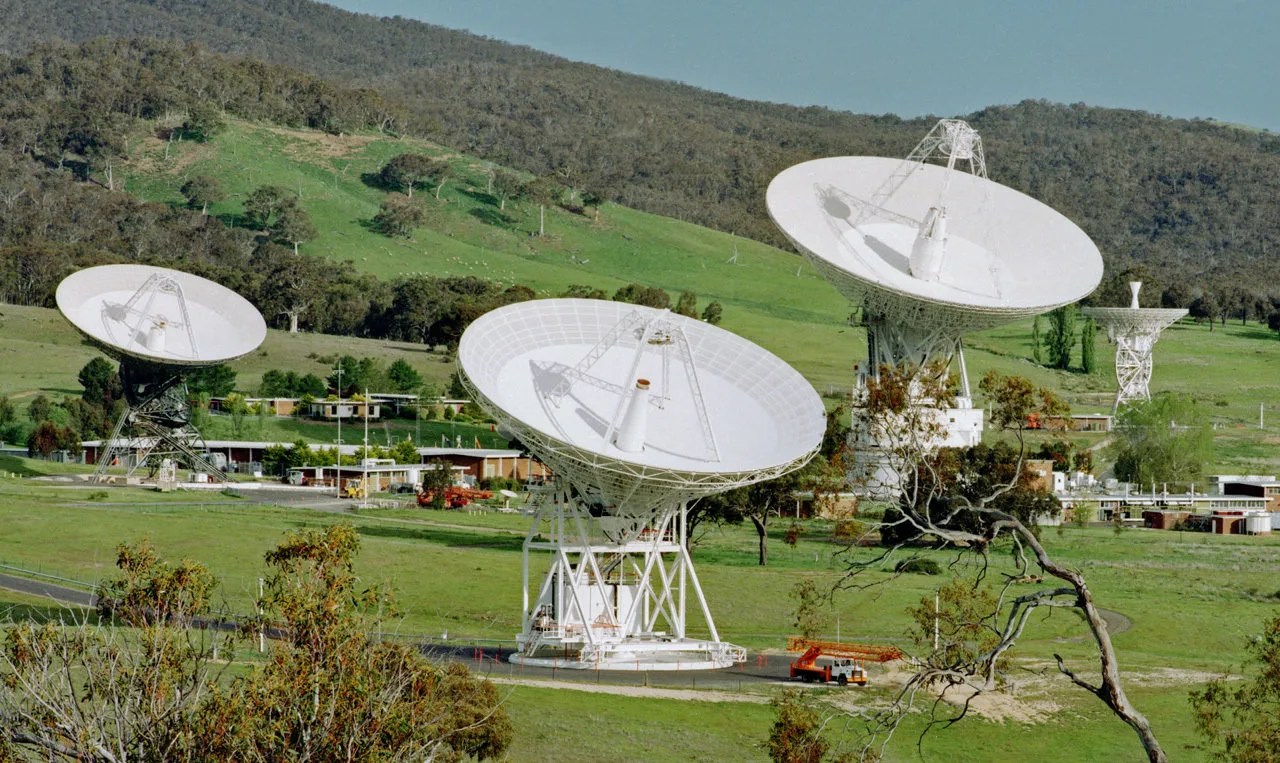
[21, 467]
[491, 216]
[447, 537]
[13, 612]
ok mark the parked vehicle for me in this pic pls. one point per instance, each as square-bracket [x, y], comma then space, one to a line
[827, 661]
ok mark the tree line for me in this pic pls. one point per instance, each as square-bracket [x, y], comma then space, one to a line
[1189, 200]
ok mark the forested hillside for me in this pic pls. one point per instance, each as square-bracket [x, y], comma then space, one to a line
[1189, 201]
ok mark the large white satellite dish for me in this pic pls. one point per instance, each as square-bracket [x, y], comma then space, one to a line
[637, 411]
[161, 324]
[721, 412]
[1003, 256]
[930, 251]
[160, 315]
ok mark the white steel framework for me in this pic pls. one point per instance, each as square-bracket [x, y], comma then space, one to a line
[1134, 330]
[617, 593]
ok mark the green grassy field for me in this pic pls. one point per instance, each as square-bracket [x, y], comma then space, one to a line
[1191, 602]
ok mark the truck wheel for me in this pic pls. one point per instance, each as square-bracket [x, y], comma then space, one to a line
[843, 680]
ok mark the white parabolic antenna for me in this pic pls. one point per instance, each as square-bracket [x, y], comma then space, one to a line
[161, 324]
[160, 315]
[718, 411]
[637, 411]
[930, 251]
[1006, 255]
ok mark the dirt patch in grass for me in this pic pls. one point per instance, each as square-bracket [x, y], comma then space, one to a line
[151, 159]
[307, 145]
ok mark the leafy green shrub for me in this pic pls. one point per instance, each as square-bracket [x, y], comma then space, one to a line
[918, 565]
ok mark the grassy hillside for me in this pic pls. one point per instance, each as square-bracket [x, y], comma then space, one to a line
[769, 296]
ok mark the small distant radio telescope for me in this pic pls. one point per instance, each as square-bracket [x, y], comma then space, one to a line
[930, 251]
[161, 324]
[1134, 330]
[638, 412]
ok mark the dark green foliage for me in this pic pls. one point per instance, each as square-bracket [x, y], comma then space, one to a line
[405, 172]
[1164, 440]
[39, 408]
[1037, 341]
[435, 478]
[1061, 337]
[357, 376]
[203, 121]
[397, 216]
[277, 383]
[201, 191]
[639, 294]
[1205, 308]
[918, 565]
[293, 227]
[712, 313]
[265, 206]
[402, 376]
[214, 381]
[101, 382]
[1088, 346]
[456, 389]
[581, 291]
[687, 304]
[1063, 454]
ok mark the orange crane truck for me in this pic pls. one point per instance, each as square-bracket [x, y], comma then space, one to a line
[845, 665]
[455, 497]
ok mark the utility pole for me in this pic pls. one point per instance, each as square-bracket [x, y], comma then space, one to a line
[337, 471]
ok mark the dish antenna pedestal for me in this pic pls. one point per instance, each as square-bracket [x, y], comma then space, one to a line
[637, 412]
[1134, 330]
[161, 324]
[930, 249]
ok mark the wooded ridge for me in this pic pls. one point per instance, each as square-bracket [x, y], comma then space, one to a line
[1188, 202]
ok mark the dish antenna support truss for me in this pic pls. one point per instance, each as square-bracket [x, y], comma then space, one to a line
[147, 328]
[617, 592]
[951, 140]
[1134, 330]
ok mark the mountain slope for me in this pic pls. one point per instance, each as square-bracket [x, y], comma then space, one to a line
[1189, 201]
